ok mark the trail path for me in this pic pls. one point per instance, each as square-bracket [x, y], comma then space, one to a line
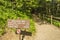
[10, 36]
[43, 32]
[47, 32]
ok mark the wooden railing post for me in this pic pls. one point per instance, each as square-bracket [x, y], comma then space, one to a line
[43, 18]
[51, 19]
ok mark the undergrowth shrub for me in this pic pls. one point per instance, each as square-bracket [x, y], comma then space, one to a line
[13, 14]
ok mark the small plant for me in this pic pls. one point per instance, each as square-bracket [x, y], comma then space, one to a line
[32, 26]
[1, 31]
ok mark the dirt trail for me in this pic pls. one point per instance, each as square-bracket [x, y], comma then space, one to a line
[43, 32]
[10, 36]
[47, 32]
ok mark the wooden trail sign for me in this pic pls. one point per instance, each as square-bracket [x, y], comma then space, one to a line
[18, 23]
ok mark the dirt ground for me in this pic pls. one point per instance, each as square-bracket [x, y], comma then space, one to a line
[47, 32]
[43, 32]
[11, 35]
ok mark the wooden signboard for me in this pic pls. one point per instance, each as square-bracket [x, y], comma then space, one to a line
[18, 23]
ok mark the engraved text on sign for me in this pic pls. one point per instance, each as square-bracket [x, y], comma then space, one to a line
[18, 23]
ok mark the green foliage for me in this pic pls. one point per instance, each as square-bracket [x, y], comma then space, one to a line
[11, 14]
[14, 9]
[32, 26]
[55, 22]
[1, 32]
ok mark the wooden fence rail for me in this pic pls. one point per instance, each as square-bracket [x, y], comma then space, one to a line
[52, 17]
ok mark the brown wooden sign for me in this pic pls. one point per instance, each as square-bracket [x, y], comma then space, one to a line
[18, 23]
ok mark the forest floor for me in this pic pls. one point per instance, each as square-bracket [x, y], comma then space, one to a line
[47, 32]
[43, 32]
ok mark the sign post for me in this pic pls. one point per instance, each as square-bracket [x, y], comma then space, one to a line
[18, 31]
[18, 24]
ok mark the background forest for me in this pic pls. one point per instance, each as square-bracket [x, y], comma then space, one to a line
[12, 9]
